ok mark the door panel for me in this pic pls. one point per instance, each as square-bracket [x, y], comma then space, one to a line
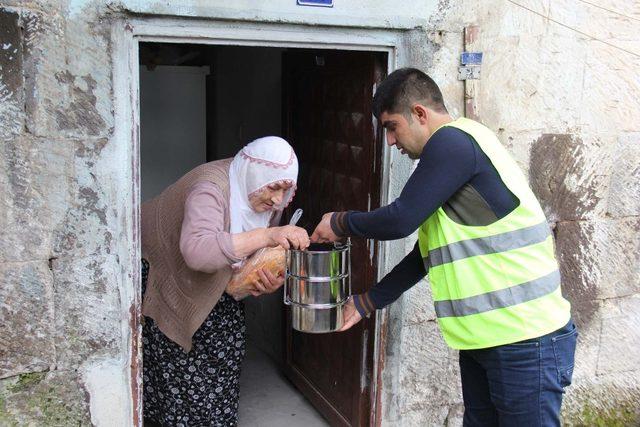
[328, 120]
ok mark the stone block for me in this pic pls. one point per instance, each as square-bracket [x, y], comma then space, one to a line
[580, 278]
[417, 304]
[598, 259]
[444, 69]
[519, 147]
[624, 190]
[611, 89]
[429, 372]
[518, 144]
[429, 415]
[598, 21]
[455, 416]
[90, 48]
[605, 400]
[43, 399]
[620, 336]
[44, 54]
[508, 20]
[539, 75]
[520, 90]
[69, 90]
[87, 306]
[86, 229]
[11, 75]
[570, 175]
[26, 312]
[589, 337]
[36, 174]
[104, 381]
[617, 244]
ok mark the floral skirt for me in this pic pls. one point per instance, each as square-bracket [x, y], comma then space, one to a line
[199, 388]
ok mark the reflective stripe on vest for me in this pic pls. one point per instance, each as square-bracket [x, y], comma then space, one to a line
[488, 245]
[500, 299]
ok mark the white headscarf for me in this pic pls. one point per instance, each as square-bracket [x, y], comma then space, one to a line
[260, 163]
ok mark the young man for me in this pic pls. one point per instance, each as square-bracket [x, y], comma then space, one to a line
[485, 243]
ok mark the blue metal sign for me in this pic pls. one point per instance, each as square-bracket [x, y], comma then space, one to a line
[322, 3]
[471, 58]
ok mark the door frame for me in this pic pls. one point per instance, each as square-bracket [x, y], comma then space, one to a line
[126, 34]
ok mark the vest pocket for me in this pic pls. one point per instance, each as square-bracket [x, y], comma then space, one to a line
[564, 348]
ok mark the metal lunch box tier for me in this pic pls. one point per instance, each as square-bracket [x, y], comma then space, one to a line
[321, 261]
[316, 292]
[316, 321]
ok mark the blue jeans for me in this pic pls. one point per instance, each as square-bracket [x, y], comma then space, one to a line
[519, 384]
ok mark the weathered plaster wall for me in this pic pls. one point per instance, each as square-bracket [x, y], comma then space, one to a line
[566, 107]
[349, 13]
[63, 346]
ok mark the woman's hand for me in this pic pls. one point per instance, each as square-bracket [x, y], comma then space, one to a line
[267, 284]
[246, 243]
[289, 236]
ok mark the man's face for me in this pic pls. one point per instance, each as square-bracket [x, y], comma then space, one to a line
[404, 134]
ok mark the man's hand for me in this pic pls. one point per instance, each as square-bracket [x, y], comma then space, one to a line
[268, 283]
[323, 232]
[351, 315]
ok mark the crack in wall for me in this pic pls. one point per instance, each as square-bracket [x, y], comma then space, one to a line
[52, 308]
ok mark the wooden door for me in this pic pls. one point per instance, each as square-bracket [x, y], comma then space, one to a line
[328, 120]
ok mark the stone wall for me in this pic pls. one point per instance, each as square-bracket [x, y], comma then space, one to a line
[63, 346]
[566, 107]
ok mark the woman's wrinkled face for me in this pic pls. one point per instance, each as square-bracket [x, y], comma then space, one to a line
[270, 196]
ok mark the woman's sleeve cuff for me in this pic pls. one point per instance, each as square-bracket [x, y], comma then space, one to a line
[226, 246]
[363, 304]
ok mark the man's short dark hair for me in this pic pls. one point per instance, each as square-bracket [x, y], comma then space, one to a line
[405, 87]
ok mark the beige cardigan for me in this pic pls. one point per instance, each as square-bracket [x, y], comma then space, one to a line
[178, 298]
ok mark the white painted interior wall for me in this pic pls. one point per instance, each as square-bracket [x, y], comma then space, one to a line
[172, 124]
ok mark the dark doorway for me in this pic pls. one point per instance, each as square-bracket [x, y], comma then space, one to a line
[211, 100]
[328, 119]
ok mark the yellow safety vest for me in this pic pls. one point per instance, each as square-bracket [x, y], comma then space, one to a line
[494, 284]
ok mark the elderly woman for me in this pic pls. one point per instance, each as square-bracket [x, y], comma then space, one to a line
[192, 234]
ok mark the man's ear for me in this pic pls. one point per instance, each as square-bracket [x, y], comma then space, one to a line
[421, 112]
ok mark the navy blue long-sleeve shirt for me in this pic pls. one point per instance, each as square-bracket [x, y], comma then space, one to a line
[453, 173]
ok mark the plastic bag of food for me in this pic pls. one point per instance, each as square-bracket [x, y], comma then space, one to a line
[271, 259]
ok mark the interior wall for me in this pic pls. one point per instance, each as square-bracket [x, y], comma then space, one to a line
[247, 105]
[172, 124]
